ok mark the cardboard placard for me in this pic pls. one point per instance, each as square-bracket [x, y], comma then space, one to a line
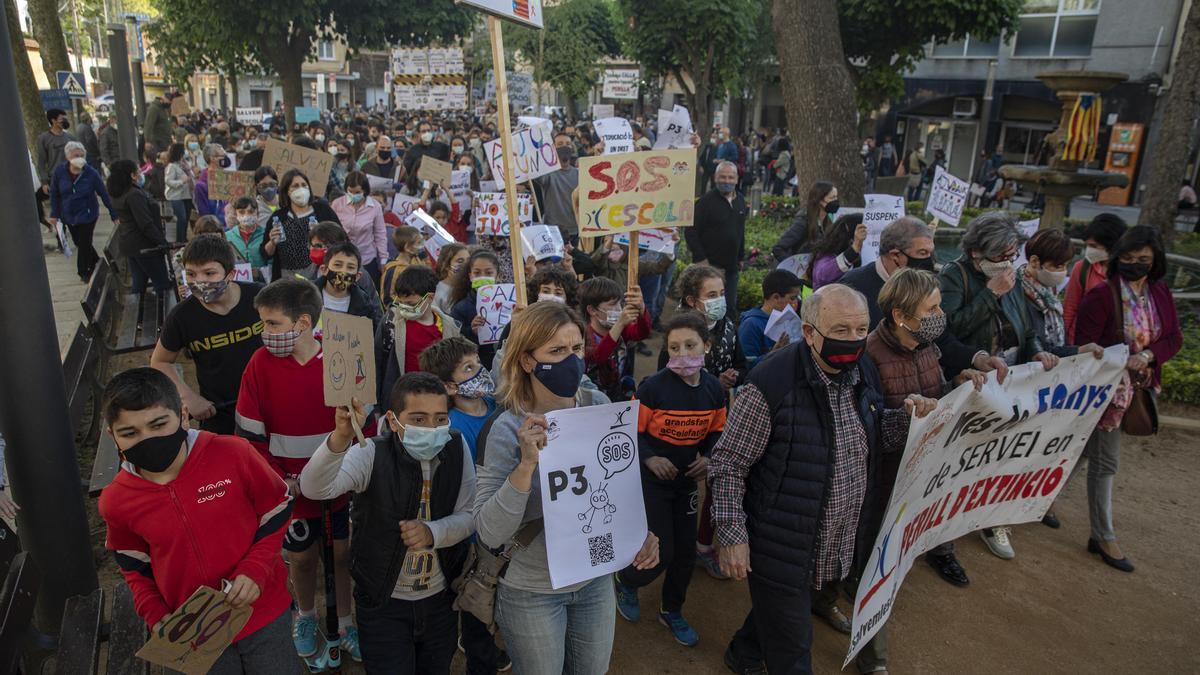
[404, 205]
[460, 188]
[434, 170]
[436, 236]
[377, 184]
[348, 343]
[621, 84]
[616, 134]
[179, 106]
[636, 191]
[193, 637]
[659, 240]
[533, 151]
[315, 164]
[243, 272]
[230, 185]
[495, 304]
[674, 129]
[489, 210]
[250, 116]
[1028, 228]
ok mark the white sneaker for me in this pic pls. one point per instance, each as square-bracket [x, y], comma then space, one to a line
[998, 543]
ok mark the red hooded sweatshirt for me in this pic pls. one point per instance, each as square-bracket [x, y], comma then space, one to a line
[224, 515]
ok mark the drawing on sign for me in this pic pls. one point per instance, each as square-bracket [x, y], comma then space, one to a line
[494, 304]
[192, 637]
[636, 191]
[533, 154]
[528, 12]
[349, 345]
[490, 213]
[72, 83]
[947, 197]
[599, 503]
[621, 84]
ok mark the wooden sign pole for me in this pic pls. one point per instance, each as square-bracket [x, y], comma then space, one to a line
[510, 185]
[633, 255]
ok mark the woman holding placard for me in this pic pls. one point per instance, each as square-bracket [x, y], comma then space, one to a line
[542, 367]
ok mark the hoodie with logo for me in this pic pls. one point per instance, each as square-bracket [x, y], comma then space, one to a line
[224, 515]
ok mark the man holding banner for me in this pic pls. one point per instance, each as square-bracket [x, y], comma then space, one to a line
[791, 472]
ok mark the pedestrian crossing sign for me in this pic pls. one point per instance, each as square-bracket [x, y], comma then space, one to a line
[72, 83]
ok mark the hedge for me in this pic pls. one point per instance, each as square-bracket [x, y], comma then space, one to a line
[1181, 374]
[784, 209]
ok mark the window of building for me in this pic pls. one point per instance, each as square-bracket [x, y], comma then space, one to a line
[970, 48]
[1057, 29]
[325, 50]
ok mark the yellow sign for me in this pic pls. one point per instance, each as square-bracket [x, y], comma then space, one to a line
[636, 191]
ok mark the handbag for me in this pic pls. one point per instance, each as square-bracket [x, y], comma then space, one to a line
[475, 588]
[1141, 417]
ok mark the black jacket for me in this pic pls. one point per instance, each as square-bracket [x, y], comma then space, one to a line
[361, 304]
[719, 232]
[139, 225]
[393, 495]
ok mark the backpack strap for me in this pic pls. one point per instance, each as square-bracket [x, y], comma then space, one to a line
[962, 270]
[1085, 266]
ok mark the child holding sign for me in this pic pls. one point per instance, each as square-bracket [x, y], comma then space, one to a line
[682, 414]
[413, 323]
[481, 270]
[230, 527]
[611, 323]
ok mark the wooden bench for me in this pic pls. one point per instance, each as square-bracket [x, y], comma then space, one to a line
[84, 631]
[17, 600]
[82, 375]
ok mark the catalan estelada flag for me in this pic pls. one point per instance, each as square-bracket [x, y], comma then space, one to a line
[521, 8]
[1083, 130]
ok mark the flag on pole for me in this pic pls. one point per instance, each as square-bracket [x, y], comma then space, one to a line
[1083, 129]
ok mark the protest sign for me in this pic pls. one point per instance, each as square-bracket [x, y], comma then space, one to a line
[881, 211]
[947, 196]
[616, 134]
[348, 343]
[494, 304]
[436, 236]
[636, 191]
[404, 205]
[192, 638]
[621, 84]
[434, 170]
[542, 242]
[229, 185]
[315, 164]
[603, 110]
[243, 272]
[180, 107]
[306, 114]
[528, 12]
[983, 459]
[533, 154]
[520, 89]
[250, 116]
[379, 185]
[460, 188]
[786, 321]
[526, 121]
[591, 486]
[674, 129]
[489, 210]
[1028, 228]
[659, 240]
[64, 238]
[796, 264]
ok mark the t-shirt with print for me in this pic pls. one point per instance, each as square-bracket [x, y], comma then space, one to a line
[421, 574]
[470, 425]
[418, 336]
[220, 345]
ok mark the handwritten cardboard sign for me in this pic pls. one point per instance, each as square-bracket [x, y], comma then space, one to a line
[602, 110]
[881, 211]
[495, 304]
[192, 637]
[434, 170]
[947, 197]
[348, 342]
[230, 185]
[616, 134]
[489, 210]
[404, 205]
[315, 164]
[180, 107]
[460, 188]
[636, 191]
[533, 154]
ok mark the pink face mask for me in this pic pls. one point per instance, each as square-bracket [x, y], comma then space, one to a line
[685, 366]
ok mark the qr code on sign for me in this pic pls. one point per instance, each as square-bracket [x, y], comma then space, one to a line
[601, 549]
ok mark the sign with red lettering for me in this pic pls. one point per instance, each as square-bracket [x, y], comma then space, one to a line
[636, 191]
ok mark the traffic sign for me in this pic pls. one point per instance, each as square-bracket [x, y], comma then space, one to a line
[72, 83]
[55, 99]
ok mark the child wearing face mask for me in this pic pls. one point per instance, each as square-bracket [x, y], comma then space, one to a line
[409, 243]
[167, 548]
[611, 324]
[682, 415]
[411, 323]
[702, 288]
[281, 410]
[414, 491]
[450, 261]
[482, 269]
[246, 236]
[339, 273]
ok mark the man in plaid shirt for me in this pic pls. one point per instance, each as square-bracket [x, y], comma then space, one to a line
[790, 476]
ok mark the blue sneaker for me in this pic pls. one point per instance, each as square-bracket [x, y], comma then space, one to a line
[627, 600]
[350, 643]
[304, 634]
[680, 628]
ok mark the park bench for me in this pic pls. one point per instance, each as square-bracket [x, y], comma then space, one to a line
[17, 600]
[82, 374]
[84, 631]
[141, 321]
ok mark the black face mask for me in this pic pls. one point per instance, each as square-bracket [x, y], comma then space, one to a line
[561, 378]
[65, 125]
[1133, 271]
[841, 355]
[832, 207]
[156, 453]
[921, 263]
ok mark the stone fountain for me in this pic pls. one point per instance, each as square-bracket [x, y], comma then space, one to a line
[1063, 180]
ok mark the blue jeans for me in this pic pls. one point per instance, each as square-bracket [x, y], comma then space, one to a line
[660, 300]
[650, 286]
[182, 209]
[557, 633]
[152, 268]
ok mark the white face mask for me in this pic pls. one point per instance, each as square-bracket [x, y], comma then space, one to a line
[1095, 254]
[78, 162]
[300, 196]
[1051, 279]
[427, 137]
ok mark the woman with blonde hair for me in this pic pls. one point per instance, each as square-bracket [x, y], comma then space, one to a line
[548, 631]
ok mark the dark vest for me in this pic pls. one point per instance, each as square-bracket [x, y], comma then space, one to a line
[787, 489]
[393, 495]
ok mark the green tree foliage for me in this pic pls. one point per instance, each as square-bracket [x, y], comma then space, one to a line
[567, 53]
[884, 39]
[703, 44]
[280, 35]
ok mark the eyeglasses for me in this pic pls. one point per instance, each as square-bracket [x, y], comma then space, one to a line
[1004, 258]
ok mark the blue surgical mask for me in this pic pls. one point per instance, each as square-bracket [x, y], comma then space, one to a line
[141, 180]
[714, 309]
[355, 197]
[726, 188]
[424, 443]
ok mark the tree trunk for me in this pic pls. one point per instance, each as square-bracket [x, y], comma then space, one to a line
[818, 95]
[231, 73]
[1168, 165]
[31, 102]
[286, 54]
[47, 29]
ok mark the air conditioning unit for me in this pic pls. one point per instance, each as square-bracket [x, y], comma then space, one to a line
[965, 107]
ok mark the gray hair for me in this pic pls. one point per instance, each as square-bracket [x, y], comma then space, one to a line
[899, 235]
[213, 151]
[724, 164]
[382, 138]
[72, 146]
[810, 309]
[991, 234]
